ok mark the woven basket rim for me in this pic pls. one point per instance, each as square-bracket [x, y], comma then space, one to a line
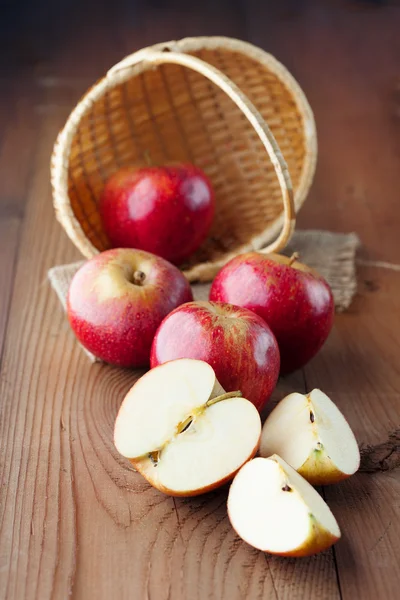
[118, 75]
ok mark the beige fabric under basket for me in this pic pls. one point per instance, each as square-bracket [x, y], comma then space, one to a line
[223, 104]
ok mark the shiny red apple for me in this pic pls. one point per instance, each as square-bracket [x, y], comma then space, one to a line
[164, 210]
[294, 300]
[117, 300]
[237, 343]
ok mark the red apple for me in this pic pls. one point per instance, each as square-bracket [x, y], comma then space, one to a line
[165, 210]
[294, 300]
[117, 300]
[238, 345]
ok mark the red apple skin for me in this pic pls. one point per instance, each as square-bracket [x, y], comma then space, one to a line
[237, 343]
[164, 210]
[116, 319]
[294, 300]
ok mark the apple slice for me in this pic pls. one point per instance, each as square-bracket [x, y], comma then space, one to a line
[312, 435]
[183, 432]
[274, 509]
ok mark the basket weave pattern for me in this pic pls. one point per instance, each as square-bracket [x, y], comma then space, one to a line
[174, 113]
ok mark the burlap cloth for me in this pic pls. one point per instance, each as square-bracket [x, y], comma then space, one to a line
[334, 256]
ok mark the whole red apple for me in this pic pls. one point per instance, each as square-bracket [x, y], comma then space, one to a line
[238, 345]
[117, 300]
[165, 210]
[293, 299]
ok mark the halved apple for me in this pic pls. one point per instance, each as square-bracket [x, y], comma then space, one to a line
[274, 509]
[311, 434]
[182, 432]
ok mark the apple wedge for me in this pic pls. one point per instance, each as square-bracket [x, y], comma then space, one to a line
[274, 509]
[182, 432]
[311, 434]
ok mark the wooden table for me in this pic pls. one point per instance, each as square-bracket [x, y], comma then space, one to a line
[75, 519]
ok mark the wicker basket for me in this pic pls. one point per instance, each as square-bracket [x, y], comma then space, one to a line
[223, 104]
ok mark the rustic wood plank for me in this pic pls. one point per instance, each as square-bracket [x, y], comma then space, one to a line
[368, 555]
[18, 137]
[9, 229]
[22, 426]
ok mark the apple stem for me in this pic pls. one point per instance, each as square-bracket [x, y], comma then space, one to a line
[236, 394]
[293, 258]
[147, 158]
[138, 277]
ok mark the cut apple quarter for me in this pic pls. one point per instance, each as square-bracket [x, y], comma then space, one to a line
[274, 509]
[311, 434]
[182, 432]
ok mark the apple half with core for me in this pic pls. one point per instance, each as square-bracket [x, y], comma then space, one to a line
[274, 509]
[117, 300]
[182, 432]
[165, 210]
[237, 343]
[310, 433]
[294, 300]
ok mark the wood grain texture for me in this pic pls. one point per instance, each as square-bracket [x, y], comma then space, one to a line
[75, 519]
[18, 137]
[367, 557]
[9, 229]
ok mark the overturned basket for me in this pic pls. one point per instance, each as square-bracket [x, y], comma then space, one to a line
[221, 103]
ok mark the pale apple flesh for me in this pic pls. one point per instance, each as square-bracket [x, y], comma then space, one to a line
[182, 432]
[312, 435]
[274, 509]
